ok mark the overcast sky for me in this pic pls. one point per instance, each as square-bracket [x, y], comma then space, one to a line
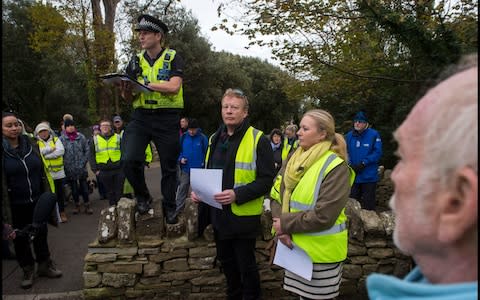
[206, 13]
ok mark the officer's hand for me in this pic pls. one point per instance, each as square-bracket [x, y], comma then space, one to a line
[358, 168]
[225, 197]
[183, 160]
[194, 197]
[126, 89]
[8, 232]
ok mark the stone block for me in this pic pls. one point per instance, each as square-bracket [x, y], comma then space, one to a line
[151, 269]
[380, 252]
[102, 293]
[99, 258]
[362, 260]
[146, 251]
[354, 222]
[190, 213]
[202, 251]
[118, 280]
[354, 250]
[151, 223]
[388, 220]
[91, 279]
[201, 263]
[375, 242]
[107, 224]
[266, 221]
[369, 268]
[352, 271]
[187, 275]
[167, 256]
[121, 267]
[209, 280]
[126, 217]
[371, 223]
[150, 242]
[116, 250]
[175, 230]
[177, 264]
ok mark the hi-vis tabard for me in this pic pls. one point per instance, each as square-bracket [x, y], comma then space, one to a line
[287, 148]
[245, 170]
[327, 246]
[159, 72]
[51, 164]
[107, 149]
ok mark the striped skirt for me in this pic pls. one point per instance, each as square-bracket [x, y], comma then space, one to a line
[325, 283]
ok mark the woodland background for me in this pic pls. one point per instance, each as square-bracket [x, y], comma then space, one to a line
[342, 56]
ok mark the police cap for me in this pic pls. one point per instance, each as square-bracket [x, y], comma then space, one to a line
[149, 23]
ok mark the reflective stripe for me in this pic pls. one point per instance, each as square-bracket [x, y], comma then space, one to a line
[253, 165]
[301, 206]
[337, 228]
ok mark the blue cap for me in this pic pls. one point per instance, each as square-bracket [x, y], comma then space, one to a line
[360, 116]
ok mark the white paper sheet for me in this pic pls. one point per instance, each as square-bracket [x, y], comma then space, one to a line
[295, 260]
[206, 183]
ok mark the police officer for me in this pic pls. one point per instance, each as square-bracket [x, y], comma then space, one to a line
[246, 158]
[156, 113]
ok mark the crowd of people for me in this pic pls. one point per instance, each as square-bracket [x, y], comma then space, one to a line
[307, 173]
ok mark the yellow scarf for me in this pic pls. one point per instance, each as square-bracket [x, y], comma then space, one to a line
[297, 166]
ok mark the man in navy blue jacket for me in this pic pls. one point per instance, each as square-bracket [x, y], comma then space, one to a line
[192, 155]
[364, 147]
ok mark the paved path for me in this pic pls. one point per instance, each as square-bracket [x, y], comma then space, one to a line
[68, 246]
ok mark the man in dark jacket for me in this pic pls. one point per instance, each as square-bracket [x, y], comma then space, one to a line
[245, 156]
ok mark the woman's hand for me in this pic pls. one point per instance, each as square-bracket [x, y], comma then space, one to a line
[225, 197]
[277, 226]
[195, 198]
[286, 239]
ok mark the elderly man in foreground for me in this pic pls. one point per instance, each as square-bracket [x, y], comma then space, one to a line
[436, 194]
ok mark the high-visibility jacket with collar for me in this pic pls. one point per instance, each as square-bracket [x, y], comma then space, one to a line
[287, 148]
[245, 170]
[51, 164]
[107, 149]
[159, 72]
[326, 246]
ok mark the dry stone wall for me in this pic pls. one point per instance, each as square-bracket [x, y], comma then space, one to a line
[140, 257]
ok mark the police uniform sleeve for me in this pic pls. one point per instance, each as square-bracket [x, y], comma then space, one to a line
[177, 66]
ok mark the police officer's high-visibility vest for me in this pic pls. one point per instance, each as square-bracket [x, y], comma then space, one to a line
[51, 164]
[287, 147]
[159, 72]
[330, 245]
[107, 149]
[245, 170]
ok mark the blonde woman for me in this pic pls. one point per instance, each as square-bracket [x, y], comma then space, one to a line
[311, 193]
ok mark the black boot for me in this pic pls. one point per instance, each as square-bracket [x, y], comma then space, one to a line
[47, 269]
[27, 281]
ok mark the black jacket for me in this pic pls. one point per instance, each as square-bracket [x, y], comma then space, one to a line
[225, 223]
[24, 178]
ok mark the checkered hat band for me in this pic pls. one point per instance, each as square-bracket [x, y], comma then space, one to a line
[144, 23]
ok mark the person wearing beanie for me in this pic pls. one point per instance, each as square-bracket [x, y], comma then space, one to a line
[156, 114]
[192, 155]
[364, 147]
[52, 150]
[75, 161]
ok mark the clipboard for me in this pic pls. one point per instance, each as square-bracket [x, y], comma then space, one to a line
[116, 78]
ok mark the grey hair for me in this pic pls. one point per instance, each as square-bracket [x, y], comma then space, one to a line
[451, 137]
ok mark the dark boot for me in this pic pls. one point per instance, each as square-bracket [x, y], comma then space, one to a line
[47, 269]
[76, 210]
[88, 210]
[27, 281]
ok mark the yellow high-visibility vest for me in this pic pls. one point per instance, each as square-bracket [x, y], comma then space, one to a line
[327, 246]
[107, 149]
[245, 170]
[159, 72]
[51, 164]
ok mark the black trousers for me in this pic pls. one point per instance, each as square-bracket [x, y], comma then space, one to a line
[161, 127]
[113, 182]
[79, 187]
[22, 215]
[237, 257]
[365, 194]
[60, 194]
